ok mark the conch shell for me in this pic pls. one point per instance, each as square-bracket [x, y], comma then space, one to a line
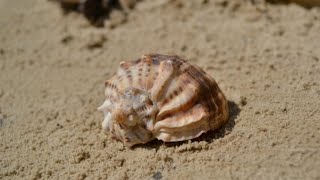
[163, 97]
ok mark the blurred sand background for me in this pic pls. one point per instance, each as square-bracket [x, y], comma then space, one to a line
[265, 57]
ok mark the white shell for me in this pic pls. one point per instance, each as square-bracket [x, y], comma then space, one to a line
[163, 97]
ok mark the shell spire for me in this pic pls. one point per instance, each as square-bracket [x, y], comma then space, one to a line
[163, 97]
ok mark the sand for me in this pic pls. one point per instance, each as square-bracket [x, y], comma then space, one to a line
[265, 57]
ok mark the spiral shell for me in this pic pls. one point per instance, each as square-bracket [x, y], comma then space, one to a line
[163, 97]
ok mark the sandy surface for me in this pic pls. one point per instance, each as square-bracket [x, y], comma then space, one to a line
[53, 67]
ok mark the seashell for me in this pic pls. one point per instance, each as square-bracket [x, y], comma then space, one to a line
[163, 97]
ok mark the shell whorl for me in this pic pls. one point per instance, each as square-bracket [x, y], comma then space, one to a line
[163, 97]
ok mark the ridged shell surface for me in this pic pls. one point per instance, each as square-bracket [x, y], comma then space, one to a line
[163, 97]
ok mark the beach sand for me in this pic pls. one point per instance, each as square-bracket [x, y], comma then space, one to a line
[265, 58]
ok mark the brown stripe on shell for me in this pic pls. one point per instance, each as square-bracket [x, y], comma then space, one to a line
[162, 81]
[150, 71]
[111, 85]
[207, 90]
[179, 83]
[144, 110]
[112, 92]
[123, 74]
[142, 74]
[137, 61]
[129, 76]
[185, 99]
[133, 76]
